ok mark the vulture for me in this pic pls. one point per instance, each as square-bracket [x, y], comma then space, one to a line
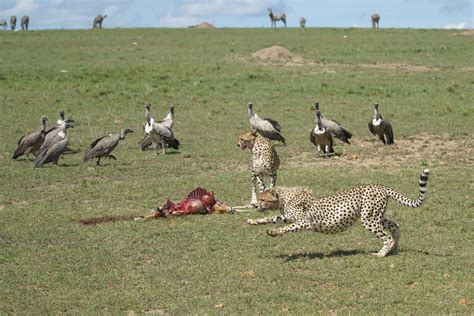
[31, 142]
[102, 147]
[321, 137]
[266, 127]
[54, 147]
[159, 133]
[52, 132]
[334, 127]
[381, 127]
[168, 121]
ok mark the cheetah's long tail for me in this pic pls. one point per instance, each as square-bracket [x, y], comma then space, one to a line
[423, 192]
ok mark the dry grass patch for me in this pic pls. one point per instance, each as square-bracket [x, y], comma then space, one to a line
[402, 67]
[464, 33]
[423, 148]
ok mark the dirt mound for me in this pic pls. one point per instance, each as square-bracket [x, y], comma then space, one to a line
[465, 33]
[276, 54]
[203, 25]
[104, 219]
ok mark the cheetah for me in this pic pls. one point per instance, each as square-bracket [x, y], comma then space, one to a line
[337, 212]
[264, 161]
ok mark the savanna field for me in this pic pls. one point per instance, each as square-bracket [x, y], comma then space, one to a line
[217, 264]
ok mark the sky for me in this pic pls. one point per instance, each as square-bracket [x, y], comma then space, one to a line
[78, 14]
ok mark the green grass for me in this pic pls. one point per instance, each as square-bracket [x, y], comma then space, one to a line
[50, 264]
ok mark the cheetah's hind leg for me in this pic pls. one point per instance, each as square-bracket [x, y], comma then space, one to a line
[374, 225]
[394, 231]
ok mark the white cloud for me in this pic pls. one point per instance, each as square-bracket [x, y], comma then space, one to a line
[225, 7]
[458, 26]
[187, 12]
[67, 13]
[23, 7]
[171, 20]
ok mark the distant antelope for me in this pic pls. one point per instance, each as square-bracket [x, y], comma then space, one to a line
[25, 21]
[4, 24]
[13, 22]
[98, 21]
[274, 17]
[302, 22]
[375, 20]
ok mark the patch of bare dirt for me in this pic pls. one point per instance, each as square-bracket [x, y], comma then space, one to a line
[464, 33]
[432, 150]
[203, 25]
[105, 219]
[280, 55]
[402, 67]
[277, 54]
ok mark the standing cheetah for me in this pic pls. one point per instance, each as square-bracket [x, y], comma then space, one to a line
[264, 161]
[337, 212]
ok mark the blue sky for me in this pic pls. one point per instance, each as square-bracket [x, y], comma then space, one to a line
[78, 14]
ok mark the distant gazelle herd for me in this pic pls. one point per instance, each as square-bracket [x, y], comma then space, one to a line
[97, 23]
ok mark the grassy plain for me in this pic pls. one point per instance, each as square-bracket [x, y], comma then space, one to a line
[49, 264]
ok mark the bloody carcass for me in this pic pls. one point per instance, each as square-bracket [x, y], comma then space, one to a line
[198, 201]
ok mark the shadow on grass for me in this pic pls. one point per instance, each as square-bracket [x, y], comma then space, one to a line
[424, 252]
[104, 219]
[68, 165]
[174, 152]
[109, 164]
[320, 255]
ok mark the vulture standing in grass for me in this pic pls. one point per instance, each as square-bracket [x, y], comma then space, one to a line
[266, 127]
[168, 121]
[322, 137]
[334, 127]
[31, 142]
[54, 148]
[159, 133]
[381, 127]
[102, 147]
[52, 132]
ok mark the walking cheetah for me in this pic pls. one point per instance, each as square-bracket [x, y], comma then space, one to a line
[264, 161]
[337, 212]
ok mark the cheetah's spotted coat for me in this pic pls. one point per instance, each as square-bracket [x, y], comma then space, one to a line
[337, 212]
[264, 161]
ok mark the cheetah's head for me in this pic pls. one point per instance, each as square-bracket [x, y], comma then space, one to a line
[268, 200]
[246, 140]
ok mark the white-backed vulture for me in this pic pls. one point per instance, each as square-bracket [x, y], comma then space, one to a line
[55, 147]
[53, 131]
[102, 147]
[381, 127]
[321, 137]
[31, 142]
[264, 126]
[159, 133]
[334, 127]
[167, 121]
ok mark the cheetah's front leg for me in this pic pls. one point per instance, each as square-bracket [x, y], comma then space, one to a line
[257, 183]
[253, 200]
[269, 220]
[293, 228]
[273, 180]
